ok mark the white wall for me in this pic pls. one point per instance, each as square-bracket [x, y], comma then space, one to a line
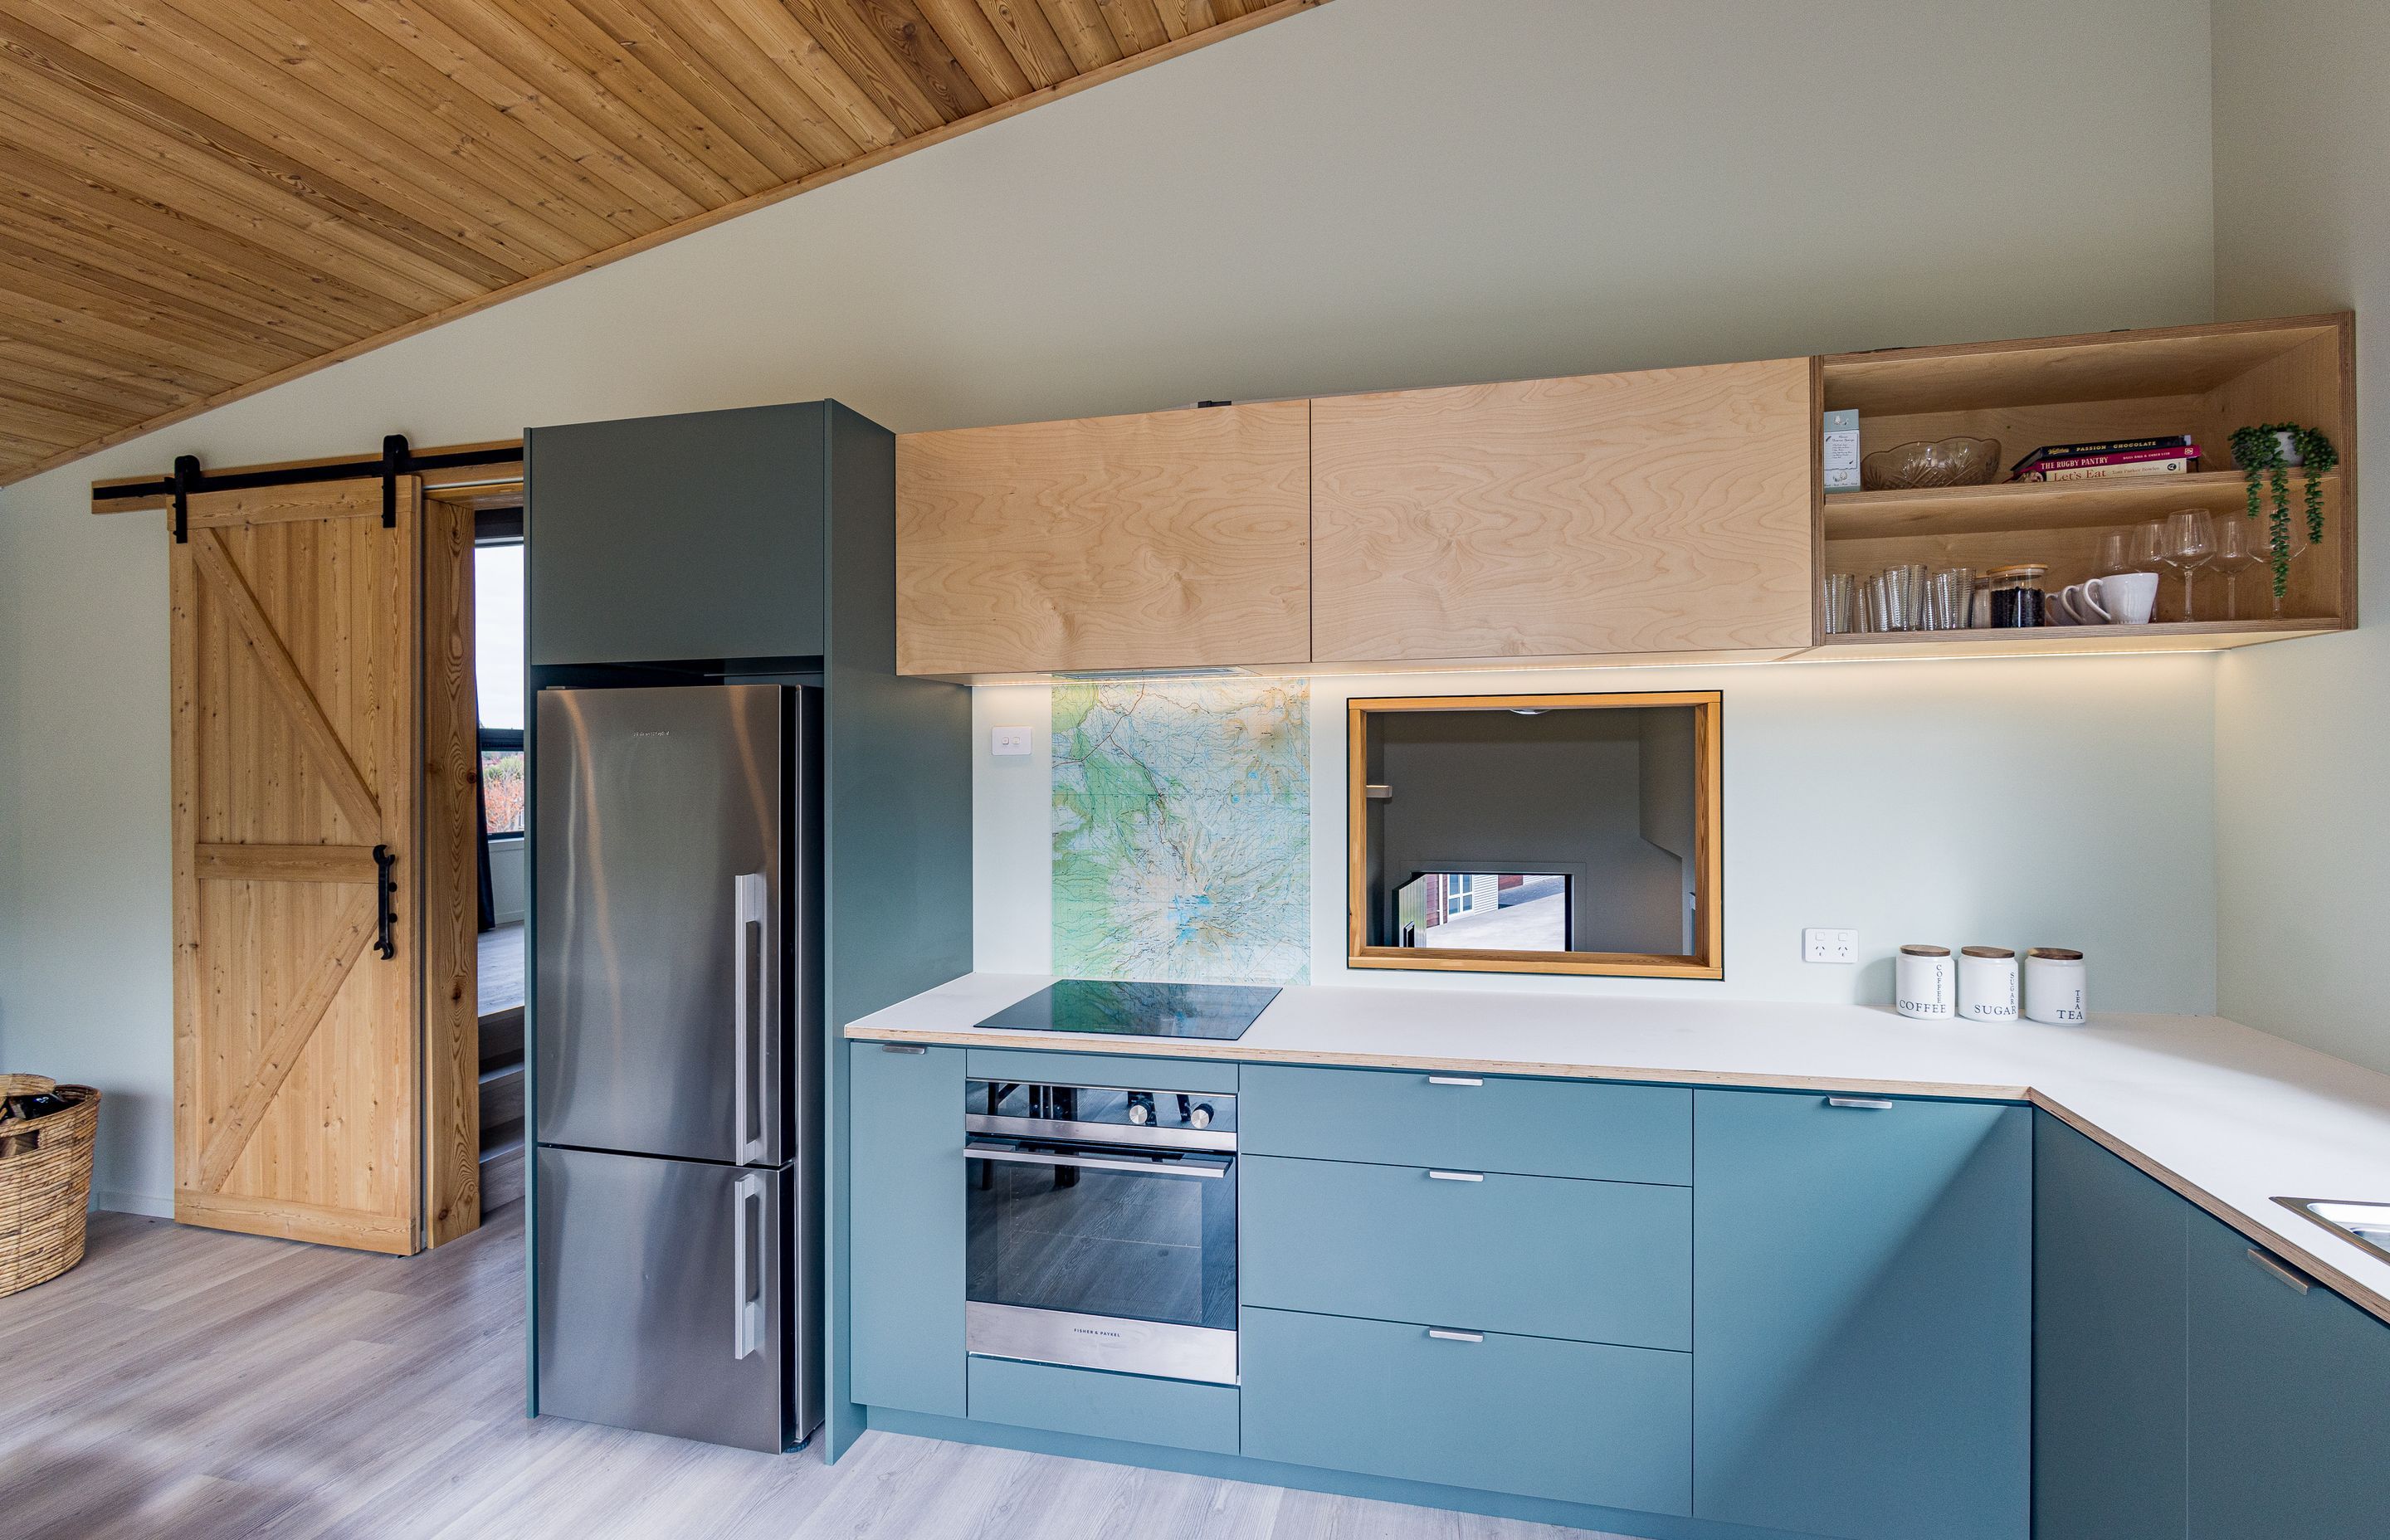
[2050, 801]
[1382, 192]
[2302, 729]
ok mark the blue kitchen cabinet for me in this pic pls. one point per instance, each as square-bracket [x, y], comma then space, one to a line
[1576, 1422]
[1862, 1309]
[1538, 1256]
[2110, 1349]
[906, 1227]
[2290, 1400]
[1480, 1122]
[692, 538]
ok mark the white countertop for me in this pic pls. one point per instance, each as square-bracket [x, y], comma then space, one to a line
[2225, 1115]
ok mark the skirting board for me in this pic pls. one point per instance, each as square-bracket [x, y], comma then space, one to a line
[118, 1200]
[1538, 1510]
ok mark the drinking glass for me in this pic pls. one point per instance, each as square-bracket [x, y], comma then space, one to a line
[1842, 594]
[2189, 539]
[2237, 548]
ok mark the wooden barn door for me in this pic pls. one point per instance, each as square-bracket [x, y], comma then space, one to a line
[298, 747]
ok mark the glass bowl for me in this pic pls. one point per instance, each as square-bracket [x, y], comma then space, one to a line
[1959, 462]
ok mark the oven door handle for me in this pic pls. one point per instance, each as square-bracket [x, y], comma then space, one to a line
[1152, 1166]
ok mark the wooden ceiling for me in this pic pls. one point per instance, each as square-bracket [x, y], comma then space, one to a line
[203, 198]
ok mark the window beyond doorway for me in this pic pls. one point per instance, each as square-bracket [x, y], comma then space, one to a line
[498, 670]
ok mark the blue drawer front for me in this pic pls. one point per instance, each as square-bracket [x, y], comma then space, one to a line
[1576, 1422]
[1529, 1128]
[1597, 1262]
[1178, 1413]
[1120, 1071]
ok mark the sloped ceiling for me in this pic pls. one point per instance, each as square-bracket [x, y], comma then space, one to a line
[201, 198]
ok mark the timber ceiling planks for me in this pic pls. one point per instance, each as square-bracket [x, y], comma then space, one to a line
[203, 198]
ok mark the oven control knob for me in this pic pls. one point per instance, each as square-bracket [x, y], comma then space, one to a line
[1202, 1115]
[1139, 1113]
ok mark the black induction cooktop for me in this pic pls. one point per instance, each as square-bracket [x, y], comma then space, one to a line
[1137, 1010]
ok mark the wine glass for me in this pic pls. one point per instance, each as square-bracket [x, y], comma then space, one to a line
[2188, 539]
[2237, 550]
[2117, 550]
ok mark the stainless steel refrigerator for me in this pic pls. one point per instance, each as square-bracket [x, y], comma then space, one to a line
[676, 1060]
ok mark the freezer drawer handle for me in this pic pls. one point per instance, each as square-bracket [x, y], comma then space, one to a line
[1445, 1334]
[746, 1310]
[749, 898]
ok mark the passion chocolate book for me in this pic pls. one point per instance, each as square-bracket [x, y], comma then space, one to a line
[2100, 447]
[2175, 465]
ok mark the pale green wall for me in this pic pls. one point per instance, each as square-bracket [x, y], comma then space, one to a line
[1379, 193]
[2302, 729]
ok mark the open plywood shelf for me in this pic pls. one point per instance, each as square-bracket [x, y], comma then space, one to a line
[2165, 636]
[2015, 505]
[2202, 380]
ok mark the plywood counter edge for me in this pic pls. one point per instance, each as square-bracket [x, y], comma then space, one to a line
[2281, 1242]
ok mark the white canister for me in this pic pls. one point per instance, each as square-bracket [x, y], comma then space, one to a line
[2054, 987]
[1922, 982]
[1987, 983]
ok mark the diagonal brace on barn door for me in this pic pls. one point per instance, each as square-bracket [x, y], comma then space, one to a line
[289, 1039]
[348, 787]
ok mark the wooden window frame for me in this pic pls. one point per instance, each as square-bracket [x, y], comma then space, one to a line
[1709, 822]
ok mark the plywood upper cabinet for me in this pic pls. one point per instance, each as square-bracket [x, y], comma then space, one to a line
[1167, 540]
[1662, 511]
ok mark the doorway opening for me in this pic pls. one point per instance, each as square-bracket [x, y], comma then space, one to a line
[497, 660]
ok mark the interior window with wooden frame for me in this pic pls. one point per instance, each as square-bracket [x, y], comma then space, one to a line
[1536, 834]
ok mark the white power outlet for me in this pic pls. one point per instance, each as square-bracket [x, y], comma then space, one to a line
[1009, 740]
[1829, 946]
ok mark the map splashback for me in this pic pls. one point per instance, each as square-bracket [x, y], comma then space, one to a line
[1182, 829]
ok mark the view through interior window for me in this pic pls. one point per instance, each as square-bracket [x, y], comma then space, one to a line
[1510, 911]
[498, 676]
[1561, 833]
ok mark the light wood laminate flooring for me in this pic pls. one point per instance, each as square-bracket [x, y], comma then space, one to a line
[196, 1384]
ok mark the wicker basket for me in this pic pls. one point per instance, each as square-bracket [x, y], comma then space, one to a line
[44, 1184]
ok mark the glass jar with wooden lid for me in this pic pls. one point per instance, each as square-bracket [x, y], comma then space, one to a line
[2016, 594]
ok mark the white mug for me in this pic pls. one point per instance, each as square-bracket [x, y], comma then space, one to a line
[2121, 599]
[2066, 608]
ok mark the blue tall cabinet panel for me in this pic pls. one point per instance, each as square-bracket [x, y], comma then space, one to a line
[1862, 1317]
[906, 1227]
[2290, 1401]
[2111, 1365]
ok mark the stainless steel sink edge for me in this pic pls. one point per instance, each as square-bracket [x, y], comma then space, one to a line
[2306, 1209]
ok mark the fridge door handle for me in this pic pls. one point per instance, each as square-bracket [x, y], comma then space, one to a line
[750, 906]
[746, 1242]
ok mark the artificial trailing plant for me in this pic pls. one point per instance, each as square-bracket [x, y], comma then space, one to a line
[2258, 452]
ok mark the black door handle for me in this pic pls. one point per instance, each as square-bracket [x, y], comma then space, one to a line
[385, 893]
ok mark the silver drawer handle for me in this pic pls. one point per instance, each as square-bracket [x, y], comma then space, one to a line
[903, 1047]
[1863, 1104]
[1455, 1080]
[1441, 1335]
[2281, 1271]
[1456, 1176]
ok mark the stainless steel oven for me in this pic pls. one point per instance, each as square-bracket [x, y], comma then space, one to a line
[1102, 1228]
